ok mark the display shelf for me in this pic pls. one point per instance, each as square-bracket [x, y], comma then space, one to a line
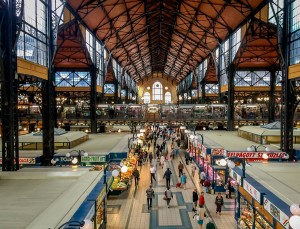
[262, 222]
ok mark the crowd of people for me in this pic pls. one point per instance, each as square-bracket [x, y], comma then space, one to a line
[160, 158]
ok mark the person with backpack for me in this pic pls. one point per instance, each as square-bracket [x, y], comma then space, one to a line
[219, 203]
[150, 195]
[168, 196]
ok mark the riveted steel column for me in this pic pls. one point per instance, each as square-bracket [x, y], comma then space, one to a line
[93, 99]
[48, 98]
[9, 83]
[271, 114]
[230, 118]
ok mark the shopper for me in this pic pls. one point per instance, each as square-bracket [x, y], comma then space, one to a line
[201, 200]
[152, 173]
[136, 175]
[219, 203]
[193, 168]
[202, 177]
[183, 181]
[150, 157]
[195, 199]
[168, 196]
[150, 195]
[201, 213]
[210, 224]
[167, 175]
[180, 168]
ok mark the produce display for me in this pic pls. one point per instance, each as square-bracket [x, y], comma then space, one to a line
[118, 185]
[123, 180]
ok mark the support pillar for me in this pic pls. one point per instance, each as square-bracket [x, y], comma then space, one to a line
[116, 93]
[48, 98]
[288, 96]
[271, 113]
[126, 95]
[203, 94]
[230, 115]
[9, 88]
[93, 100]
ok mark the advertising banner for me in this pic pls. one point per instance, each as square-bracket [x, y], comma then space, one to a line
[252, 156]
[280, 216]
[252, 191]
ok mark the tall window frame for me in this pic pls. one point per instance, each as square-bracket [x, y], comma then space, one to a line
[157, 91]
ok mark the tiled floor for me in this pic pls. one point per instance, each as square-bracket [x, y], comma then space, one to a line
[129, 210]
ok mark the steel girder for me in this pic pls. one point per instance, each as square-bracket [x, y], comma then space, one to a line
[10, 15]
[167, 36]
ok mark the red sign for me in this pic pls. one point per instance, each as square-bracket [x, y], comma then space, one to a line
[24, 160]
[256, 155]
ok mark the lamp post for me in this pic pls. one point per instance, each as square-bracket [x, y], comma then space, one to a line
[255, 148]
[76, 159]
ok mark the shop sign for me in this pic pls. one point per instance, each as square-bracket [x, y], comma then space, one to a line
[256, 155]
[280, 216]
[252, 191]
[24, 161]
[217, 151]
[236, 177]
[93, 159]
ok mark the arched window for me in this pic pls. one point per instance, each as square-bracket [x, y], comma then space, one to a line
[157, 91]
[168, 98]
[146, 97]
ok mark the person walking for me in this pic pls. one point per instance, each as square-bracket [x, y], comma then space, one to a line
[150, 195]
[162, 160]
[168, 196]
[219, 203]
[183, 181]
[180, 168]
[167, 175]
[193, 168]
[152, 172]
[201, 213]
[150, 157]
[195, 199]
[210, 224]
[201, 200]
[136, 175]
[202, 177]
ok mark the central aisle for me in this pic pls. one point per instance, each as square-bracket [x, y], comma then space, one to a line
[129, 210]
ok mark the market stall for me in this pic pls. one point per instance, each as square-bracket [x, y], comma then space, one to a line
[122, 173]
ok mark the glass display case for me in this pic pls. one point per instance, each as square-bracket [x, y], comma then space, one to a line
[249, 217]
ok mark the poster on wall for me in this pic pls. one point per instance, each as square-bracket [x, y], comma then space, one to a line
[280, 216]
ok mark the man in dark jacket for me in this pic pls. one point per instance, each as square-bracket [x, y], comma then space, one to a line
[167, 175]
[195, 199]
[136, 175]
